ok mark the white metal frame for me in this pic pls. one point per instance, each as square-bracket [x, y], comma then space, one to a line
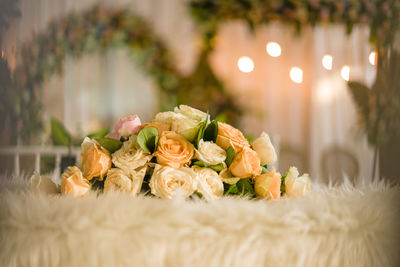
[38, 151]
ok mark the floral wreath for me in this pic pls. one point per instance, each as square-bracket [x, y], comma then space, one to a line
[99, 28]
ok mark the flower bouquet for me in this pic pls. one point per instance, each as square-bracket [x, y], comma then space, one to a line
[179, 153]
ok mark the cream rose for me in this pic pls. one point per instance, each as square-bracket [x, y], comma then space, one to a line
[296, 186]
[167, 182]
[210, 153]
[230, 136]
[264, 148]
[130, 156]
[95, 160]
[73, 183]
[227, 177]
[173, 150]
[209, 183]
[191, 113]
[268, 185]
[185, 120]
[41, 184]
[119, 181]
[245, 163]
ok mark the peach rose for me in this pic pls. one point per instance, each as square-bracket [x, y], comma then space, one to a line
[95, 160]
[245, 163]
[230, 136]
[161, 127]
[73, 183]
[268, 185]
[173, 150]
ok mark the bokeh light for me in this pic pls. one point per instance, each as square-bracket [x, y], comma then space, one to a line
[273, 49]
[296, 75]
[327, 61]
[345, 72]
[245, 64]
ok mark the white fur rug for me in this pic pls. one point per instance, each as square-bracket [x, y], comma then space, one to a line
[340, 226]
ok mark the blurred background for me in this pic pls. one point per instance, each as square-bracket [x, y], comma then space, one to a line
[73, 68]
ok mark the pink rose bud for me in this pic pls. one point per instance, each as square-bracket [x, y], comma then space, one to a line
[126, 127]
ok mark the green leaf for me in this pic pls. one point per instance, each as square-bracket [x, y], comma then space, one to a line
[99, 134]
[283, 185]
[59, 135]
[202, 128]
[230, 154]
[148, 138]
[245, 187]
[218, 167]
[264, 169]
[232, 190]
[360, 94]
[211, 132]
[110, 144]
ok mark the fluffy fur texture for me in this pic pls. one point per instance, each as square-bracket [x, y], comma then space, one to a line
[338, 226]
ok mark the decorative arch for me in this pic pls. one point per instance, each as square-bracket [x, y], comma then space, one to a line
[94, 29]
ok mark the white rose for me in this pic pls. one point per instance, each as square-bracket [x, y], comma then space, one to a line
[190, 112]
[118, 180]
[130, 156]
[164, 117]
[210, 153]
[208, 183]
[167, 182]
[41, 184]
[264, 148]
[296, 186]
[185, 120]
[185, 126]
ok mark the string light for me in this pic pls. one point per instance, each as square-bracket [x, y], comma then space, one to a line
[273, 49]
[296, 75]
[327, 62]
[245, 64]
[345, 73]
[372, 58]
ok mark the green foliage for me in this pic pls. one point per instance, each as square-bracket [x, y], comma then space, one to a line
[230, 154]
[110, 144]
[283, 185]
[379, 106]
[242, 187]
[59, 135]
[148, 138]
[202, 128]
[99, 134]
[382, 16]
[217, 167]
[211, 132]
[264, 169]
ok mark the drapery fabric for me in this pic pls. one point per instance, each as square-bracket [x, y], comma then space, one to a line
[309, 118]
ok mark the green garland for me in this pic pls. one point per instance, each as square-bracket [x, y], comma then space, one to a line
[382, 16]
[78, 34]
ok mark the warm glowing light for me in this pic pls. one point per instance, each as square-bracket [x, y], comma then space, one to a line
[296, 75]
[245, 64]
[273, 49]
[327, 62]
[2, 53]
[372, 58]
[345, 72]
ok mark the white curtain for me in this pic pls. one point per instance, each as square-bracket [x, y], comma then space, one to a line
[309, 118]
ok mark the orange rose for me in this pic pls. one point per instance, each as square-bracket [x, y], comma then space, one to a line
[230, 136]
[73, 183]
[173, 150]
[95, 160]
[268, 185]
[245, 163]
[161, 127]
